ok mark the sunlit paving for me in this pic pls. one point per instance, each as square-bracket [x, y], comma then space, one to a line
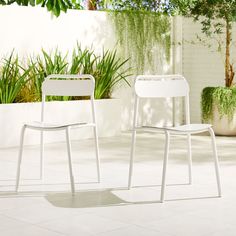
[47, 207]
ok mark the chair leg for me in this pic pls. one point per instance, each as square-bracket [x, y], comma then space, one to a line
[132, 158]
[215, 160]
[97, 154]
[189, 159]
[166, 154]
[20, 158]
[41, 154]
[69, 160]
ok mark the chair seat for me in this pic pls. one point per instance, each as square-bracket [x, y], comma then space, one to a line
[55, 126]
[191, 128]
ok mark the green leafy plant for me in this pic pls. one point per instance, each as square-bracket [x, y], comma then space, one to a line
[12, 79]
[42, 66]
[107, 69]
[140, 34]
[54, 6]
[217, 18]
[78, 60]
[137, 5]
[88, 62]
[24, 85]
[108, 73]
[223, 98]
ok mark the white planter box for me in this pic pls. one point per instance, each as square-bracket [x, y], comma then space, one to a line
[12, 116]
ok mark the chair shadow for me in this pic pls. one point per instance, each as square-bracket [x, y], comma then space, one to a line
[86, 199]
[93, 197]
[101, 198]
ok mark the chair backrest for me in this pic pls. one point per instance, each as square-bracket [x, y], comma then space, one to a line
[68, 85]
[160, 86]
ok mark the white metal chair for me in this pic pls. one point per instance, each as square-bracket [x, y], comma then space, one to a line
[62, 85]
[164, 86]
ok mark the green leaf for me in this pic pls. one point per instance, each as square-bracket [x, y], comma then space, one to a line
[32, 2]
[56, 8]
[2, 2]
[62, 5]
[50, 5]
[39, 2]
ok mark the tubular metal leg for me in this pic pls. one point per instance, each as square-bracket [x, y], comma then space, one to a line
[189, 159]
[97, 154]
[41, 154]
[20, 158]
[132, 158]
[69, 160]
[215, 160]
[165, 162]
[135, 121]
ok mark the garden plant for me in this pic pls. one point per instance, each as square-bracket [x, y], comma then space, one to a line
[217, 18]
[21, 82]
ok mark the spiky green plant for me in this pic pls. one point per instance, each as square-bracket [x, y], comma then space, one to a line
[89, 62]
[76, 61]
[83, 61]
[109, 71]
[42, 66]
[12, 79]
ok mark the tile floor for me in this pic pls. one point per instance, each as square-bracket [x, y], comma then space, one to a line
[46, 208]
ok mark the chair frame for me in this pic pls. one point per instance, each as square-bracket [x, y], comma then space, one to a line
[141, 84]
[66, 87]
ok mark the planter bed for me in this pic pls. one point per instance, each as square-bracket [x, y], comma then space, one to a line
[12, 116]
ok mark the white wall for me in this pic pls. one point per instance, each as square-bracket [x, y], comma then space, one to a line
[28, 29]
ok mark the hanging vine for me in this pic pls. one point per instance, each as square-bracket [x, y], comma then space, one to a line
[145, 37]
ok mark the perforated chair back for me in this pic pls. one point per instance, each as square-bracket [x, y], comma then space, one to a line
[160, 86]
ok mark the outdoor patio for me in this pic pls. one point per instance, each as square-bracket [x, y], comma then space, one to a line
[115, 67]
[109, 209]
